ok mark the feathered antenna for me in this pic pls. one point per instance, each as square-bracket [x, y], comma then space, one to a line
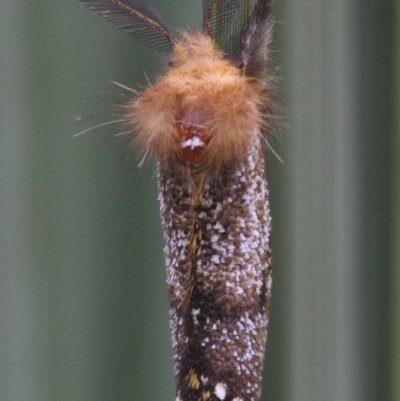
[242, 29]
[256, 40]
[208, 7]
[226, 22]
[139, 18]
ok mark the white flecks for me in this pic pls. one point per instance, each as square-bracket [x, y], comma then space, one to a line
[195, 312]
[239, 290]
[215, 259]
[227, 258]
[220, 390]
[214, 238]
[192, 143]
[217, 225]
[204, 379]
[269, 283]
[208, 202]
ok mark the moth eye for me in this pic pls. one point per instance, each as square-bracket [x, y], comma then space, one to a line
[193, 134]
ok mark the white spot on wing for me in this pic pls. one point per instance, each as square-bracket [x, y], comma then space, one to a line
[220, 390]
[215, 259]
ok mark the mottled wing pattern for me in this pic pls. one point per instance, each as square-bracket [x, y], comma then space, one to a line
[138, 17]
[219, 327]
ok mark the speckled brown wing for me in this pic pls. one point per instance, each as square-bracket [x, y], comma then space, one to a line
[219, 276]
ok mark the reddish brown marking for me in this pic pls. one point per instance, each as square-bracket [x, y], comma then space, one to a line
[190, 123]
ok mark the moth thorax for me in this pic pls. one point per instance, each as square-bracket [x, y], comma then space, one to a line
[193, 135]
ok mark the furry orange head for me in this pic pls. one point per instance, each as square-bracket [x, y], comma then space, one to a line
[202, 112]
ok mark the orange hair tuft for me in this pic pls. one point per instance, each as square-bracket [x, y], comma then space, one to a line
[202, 113]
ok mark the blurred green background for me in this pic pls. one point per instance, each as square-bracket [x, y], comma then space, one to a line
[83, 299]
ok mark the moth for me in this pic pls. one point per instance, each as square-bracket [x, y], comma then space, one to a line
[207, 121]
